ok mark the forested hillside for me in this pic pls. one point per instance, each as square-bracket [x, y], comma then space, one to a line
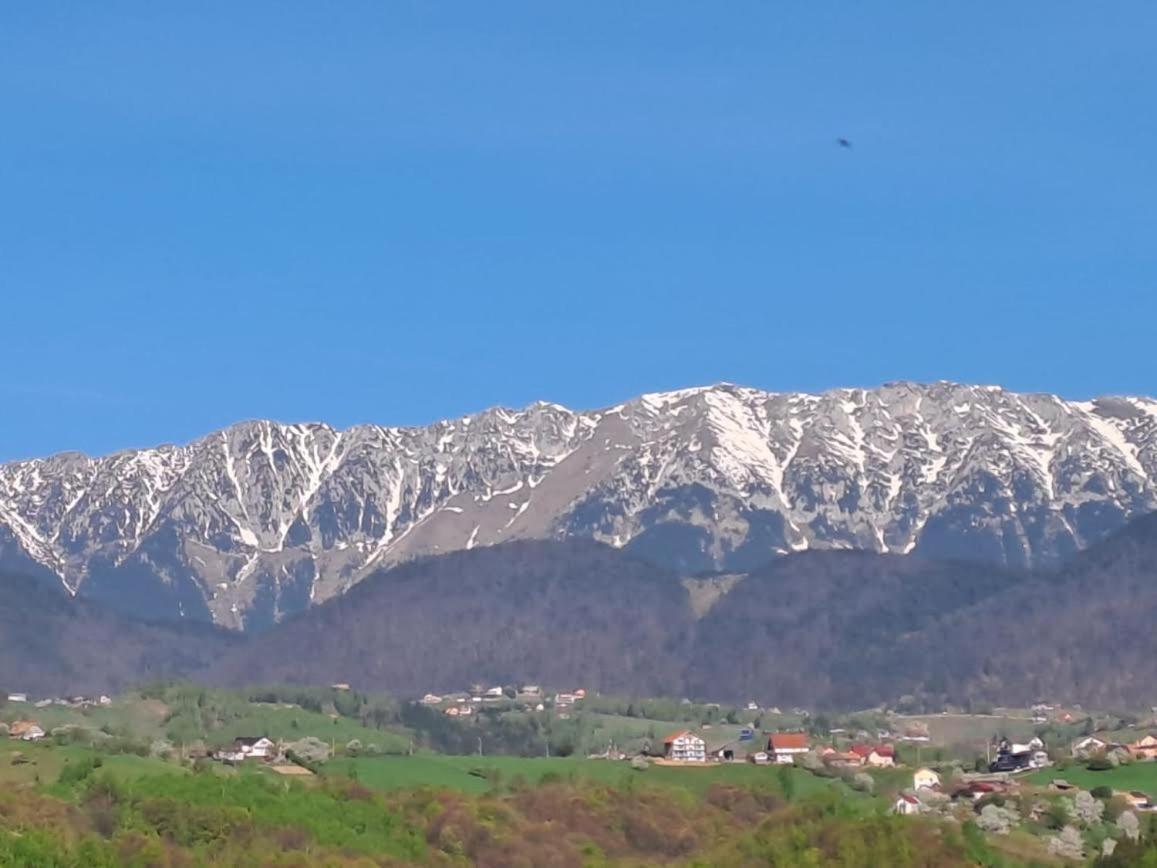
[816, 629]
[53, 643]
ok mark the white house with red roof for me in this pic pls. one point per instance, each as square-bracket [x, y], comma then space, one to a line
[786, 746]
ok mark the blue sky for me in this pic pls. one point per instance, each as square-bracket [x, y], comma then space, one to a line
[399, 211]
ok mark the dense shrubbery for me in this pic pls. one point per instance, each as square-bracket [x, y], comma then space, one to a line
[250, 819]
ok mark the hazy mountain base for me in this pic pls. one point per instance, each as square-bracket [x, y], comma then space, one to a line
[819, 629]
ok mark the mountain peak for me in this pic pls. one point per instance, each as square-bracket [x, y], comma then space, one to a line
[261, 519]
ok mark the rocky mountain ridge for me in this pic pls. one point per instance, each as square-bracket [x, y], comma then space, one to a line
[264, 519]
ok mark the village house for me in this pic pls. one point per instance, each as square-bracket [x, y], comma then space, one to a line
[760, 757]
[906, 804]
[17, 697]
[833, 757]
[786, 746]
[880, 757]
[1086, 747]
[685, 746]
[925, 779]
[977, 790]
[493, 692]
[26, 730]
[1144, 748]
[1139, 800]
[731, 751]
[431, 699]
[247, 748]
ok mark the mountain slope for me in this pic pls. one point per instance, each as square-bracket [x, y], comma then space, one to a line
[262, 520]
[818, 629]
[572, 612]
[831, 629]
[52, 643]
[1081, 634]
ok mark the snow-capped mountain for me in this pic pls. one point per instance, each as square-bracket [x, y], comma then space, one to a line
[257, 521]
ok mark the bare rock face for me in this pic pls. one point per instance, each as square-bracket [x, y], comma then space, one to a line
[263, 519]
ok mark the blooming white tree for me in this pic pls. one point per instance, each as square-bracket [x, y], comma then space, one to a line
[1129, 825]
[1068, 844]
[997, 820]
[1088, 809]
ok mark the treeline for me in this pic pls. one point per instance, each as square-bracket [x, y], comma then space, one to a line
[203, 818]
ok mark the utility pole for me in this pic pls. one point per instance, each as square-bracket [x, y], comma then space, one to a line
[479, 745]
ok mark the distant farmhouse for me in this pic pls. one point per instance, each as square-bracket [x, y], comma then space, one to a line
[248, 748]
[784, 747]
[26, 730]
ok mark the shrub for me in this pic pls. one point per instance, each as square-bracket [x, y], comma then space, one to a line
[1128, 825]
[1102, 792]
[75, 772]
[997, 820]
[1068, 844]
[863, 782]
[1099, 764]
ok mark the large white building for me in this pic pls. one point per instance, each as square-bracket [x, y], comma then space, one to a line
[685, 747]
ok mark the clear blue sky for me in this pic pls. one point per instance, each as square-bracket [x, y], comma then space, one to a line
[399, 211]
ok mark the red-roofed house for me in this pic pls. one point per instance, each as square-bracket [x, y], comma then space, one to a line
[685, 746]
[878, 756]
[786, 746]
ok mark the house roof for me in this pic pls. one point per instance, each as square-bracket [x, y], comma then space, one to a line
[788, 741]
[866, 750]
[22, 726]
[249, 740]
[676, 735]
[911, 800]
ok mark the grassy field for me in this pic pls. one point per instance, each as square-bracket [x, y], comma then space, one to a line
[1134, 776]
[44, 762]
[968, 729]
[149, 719]
[454, 772]
[291, 723]
[142, 718]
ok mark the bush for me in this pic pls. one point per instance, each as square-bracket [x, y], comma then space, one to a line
[1099, 764]
[997, 820]
[863, 782]
[1128, 826]
[75, 772]
[1102, 792]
